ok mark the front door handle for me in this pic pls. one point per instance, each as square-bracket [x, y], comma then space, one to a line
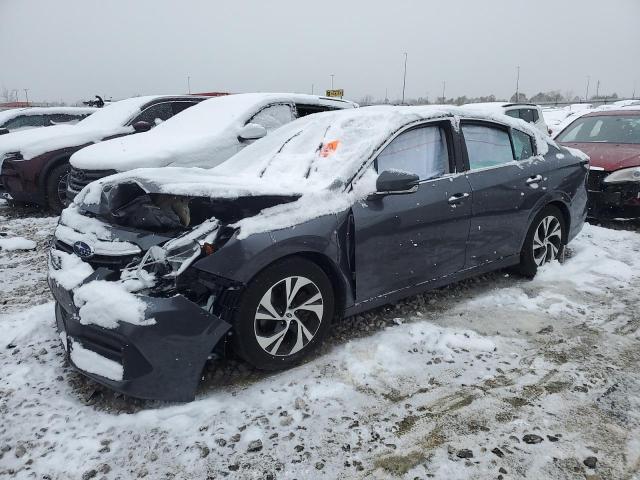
[535, 179]
[457, 198]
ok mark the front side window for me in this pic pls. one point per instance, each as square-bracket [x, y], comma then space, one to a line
[422, 151]
[487, 146]
[155, 114]
[522, 145]
[273, 116]
[603, 129]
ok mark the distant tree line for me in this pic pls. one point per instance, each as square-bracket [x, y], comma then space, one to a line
[552, 96]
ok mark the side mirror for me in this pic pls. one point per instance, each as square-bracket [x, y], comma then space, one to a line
[142, 126]
[390, 182]
[3, 131]
[251, 131]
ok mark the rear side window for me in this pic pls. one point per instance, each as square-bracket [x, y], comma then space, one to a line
[155, 114]
[23, 121]
[526, 114]
[273, 116]
[487, 146]
[422, 151]
[535, 114]
[512, 113]
[304, 110]
[522, 145]
[180, 106]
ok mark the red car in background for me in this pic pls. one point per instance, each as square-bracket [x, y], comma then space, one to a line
[612, 139]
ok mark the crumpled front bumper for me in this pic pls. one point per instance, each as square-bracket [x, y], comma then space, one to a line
[162, 361]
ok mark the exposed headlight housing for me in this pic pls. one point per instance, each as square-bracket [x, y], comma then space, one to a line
[624, 175]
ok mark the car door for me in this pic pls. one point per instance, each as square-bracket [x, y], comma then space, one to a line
[408, 238]
[507, 182]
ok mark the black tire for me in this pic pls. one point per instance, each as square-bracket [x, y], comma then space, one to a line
[533, 253]
[272, 283]
[56, 188]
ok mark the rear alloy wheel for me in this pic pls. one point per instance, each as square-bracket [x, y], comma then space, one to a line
[544, 242]
[57, 188]
[285, 313]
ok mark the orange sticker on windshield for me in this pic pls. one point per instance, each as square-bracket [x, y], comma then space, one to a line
[328, 148]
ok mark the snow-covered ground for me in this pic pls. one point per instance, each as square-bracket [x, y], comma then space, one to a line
[494, 377]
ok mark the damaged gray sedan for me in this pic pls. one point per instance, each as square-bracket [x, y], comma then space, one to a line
[156, 271]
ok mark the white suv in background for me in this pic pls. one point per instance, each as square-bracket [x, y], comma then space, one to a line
[528, 112]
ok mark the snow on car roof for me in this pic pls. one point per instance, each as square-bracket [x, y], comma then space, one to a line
[200, 135]
[15, 112]
[109, 120]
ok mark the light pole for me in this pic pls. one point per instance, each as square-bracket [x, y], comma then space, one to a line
[404, 77]
[26, 94]
[332, 75]
[444, 86]
[189, 84]
[598, 90]
[518, 85]
[586, 96]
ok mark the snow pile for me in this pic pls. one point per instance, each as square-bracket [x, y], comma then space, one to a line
[91, 362]
[16, 243]
[71, 271]
[106, 304]
[204, 135]
[107, 121]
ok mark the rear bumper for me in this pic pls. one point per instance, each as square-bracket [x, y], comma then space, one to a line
[162, 361]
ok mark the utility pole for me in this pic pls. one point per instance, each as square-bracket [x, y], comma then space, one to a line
[633, 95]
[26, 94]
[332, 75]
[404, 77]
[386, 95]
[444, 86]
[518, 85]
[598, 90]
[189, 84]
[586, 96]
[312, 89]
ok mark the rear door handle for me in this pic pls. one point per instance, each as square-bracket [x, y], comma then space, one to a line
[536, 179]
[457, 198]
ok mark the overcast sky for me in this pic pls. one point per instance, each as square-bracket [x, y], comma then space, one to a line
[72, 49]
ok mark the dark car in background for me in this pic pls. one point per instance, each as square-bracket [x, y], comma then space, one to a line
[16, 119]
[328, 216]
[34, 164]
[611, 138]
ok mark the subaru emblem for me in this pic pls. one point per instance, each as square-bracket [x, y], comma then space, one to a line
[82, 250]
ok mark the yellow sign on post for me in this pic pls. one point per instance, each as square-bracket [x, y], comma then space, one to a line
[335, 93]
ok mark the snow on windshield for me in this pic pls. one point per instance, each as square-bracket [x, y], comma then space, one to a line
[330, 147]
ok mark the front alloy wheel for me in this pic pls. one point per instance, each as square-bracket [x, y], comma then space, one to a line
[288, 316]
[284, 314]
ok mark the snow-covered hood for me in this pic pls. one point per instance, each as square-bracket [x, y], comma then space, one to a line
[610, 156]
[192, 182]
[33, 142]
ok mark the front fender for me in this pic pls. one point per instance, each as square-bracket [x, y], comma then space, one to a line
[241, 259]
